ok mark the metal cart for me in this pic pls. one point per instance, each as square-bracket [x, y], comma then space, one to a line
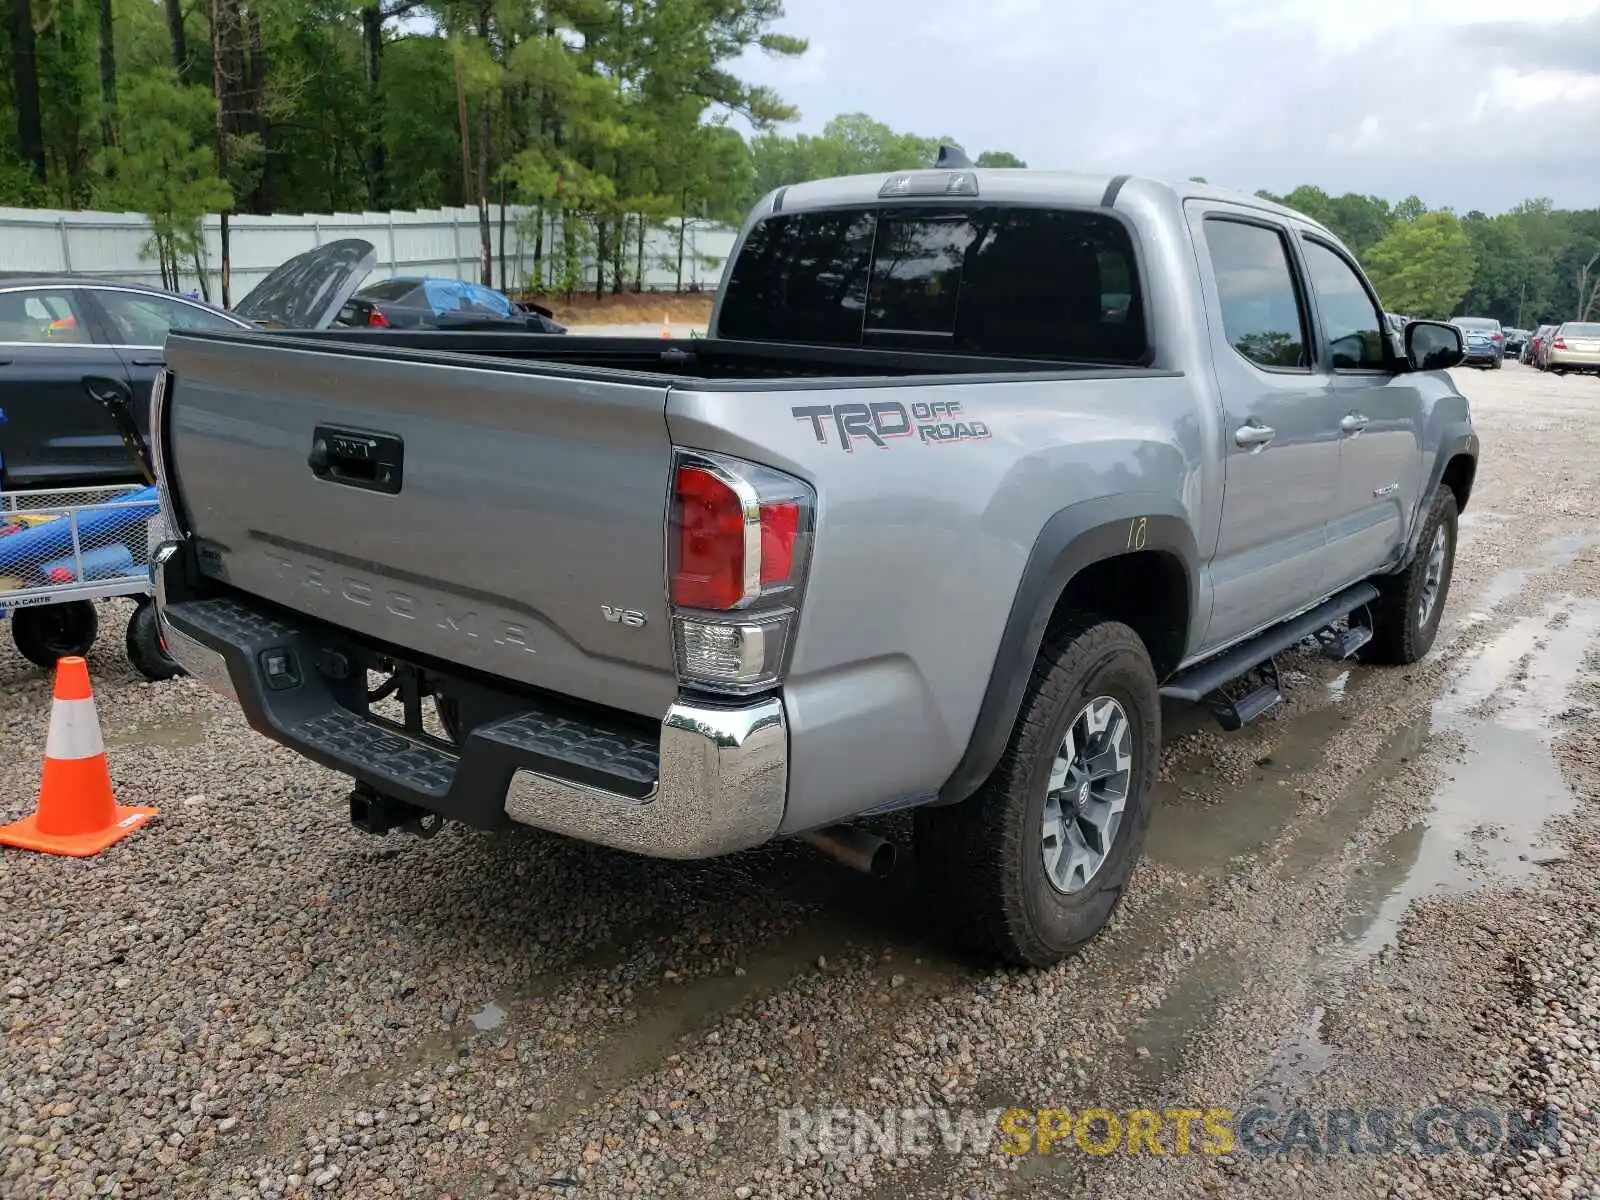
[61, 550]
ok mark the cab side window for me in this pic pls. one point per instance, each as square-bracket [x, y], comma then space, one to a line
[1261, 314]
[1350, 321]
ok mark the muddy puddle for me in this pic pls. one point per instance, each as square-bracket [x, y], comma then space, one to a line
[168, 733]
[1494, 797]
[1554, 554]
[1199, 826]
[1488, 820]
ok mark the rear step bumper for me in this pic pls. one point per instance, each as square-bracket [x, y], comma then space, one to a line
[713, 781]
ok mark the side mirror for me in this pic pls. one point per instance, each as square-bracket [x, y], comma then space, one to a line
[1433, 345]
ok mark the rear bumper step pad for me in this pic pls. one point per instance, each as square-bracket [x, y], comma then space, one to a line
[713, 779]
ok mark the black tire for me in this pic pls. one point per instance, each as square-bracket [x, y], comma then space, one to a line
[146, 648]
[1498, 363]
[51, 632]
[982, 862]
[1400, 633]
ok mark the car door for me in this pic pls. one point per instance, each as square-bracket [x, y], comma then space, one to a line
[137, 323]
[1380, 419]
[1281, 427]
[52, 433]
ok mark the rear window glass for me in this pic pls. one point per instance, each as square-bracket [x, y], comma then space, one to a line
[1019, 282]
[1476, 323]
[389, 289]
[1583, 329]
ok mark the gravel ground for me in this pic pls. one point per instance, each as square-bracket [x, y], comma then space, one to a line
[1381, 896]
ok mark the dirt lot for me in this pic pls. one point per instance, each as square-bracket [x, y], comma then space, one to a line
[1383, 896]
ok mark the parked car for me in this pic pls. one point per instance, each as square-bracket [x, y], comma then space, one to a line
[1516, 339]
[1539, 345]
[1530, 350]
[1575, 346]
[60, 336]
[58, 333]
[665, 602]
[426, 303]
[1485, 341]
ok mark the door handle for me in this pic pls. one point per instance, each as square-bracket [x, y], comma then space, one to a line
[149, 362]
[1253, 436]
[1353, 424]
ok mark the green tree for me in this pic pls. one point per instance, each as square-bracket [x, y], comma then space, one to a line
[1423, 267]
[999, 158]
[163, 167]
[1505, 267]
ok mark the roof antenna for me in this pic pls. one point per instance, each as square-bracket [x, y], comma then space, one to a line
[953, 158]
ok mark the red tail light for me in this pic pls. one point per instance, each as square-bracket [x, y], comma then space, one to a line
[712, 542]
[780, 523]
[1499, 337]
[376, 320]
[723, 559]
[1559, 344]
[739, 550]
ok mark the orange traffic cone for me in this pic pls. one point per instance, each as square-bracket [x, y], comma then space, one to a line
[77, 814]
[666, 325]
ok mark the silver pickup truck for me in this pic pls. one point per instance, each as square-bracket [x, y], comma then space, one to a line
[972, 469]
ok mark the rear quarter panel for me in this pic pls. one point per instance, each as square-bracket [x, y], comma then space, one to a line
[920, 547]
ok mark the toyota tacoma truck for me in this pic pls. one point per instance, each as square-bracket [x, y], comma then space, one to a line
[971, 470]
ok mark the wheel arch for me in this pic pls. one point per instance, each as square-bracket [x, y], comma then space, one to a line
[1127, 558]
[1454, 466]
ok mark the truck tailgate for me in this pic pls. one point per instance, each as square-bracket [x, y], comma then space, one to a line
[491, 515]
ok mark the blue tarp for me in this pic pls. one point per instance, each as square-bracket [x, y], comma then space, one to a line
[450, 295]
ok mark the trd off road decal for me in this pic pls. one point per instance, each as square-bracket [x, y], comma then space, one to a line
[931, 424]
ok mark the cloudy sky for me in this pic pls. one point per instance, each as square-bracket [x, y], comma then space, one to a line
[1466, 103]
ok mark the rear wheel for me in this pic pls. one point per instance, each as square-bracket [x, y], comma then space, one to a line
[1405, 617]
[146, 647]
[1031, 867]
[51, 632]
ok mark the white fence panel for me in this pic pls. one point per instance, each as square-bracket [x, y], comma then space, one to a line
[439, 242]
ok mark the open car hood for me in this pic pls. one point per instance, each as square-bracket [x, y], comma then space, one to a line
[308, 290]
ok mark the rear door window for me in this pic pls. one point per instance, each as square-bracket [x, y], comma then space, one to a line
[1261, 311]
[992, 280]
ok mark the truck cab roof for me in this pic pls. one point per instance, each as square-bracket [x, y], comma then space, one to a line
[1007, 186]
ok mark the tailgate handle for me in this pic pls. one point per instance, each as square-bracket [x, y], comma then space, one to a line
[357, 458]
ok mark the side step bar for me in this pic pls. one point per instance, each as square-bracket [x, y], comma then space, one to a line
[1209, 681]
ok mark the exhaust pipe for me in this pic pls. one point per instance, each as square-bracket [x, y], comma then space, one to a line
[855, 848]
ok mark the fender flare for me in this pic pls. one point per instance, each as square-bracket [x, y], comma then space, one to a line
[1074, 538]
[1459, 439]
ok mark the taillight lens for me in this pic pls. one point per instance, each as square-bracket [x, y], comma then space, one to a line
[376, 320]
[739, 541]
[780, 524]
[710, 521]
[1559, 344]
[1499, 337]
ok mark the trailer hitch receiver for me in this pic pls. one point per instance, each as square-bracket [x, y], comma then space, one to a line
[373, 812]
